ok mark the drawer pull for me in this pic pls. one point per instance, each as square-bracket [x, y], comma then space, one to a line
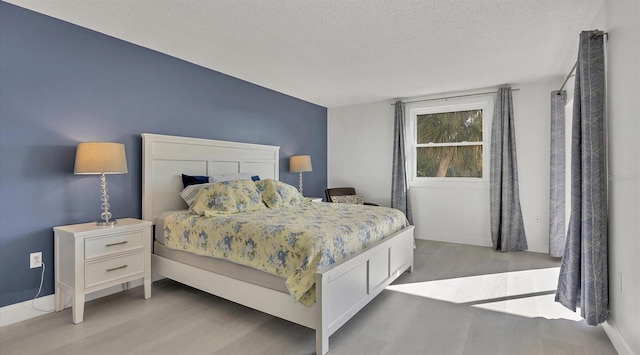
[114, 244]
[117, 268]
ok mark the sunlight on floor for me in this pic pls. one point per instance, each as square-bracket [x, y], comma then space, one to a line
[527, 293]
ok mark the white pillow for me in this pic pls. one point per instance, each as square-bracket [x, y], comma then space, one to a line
[190, 192]
[230, 177]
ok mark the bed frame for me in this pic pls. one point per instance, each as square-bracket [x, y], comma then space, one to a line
[341, 289]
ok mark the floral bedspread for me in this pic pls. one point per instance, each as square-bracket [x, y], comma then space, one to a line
[292, 242]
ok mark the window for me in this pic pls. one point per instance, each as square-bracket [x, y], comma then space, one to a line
[449, 142]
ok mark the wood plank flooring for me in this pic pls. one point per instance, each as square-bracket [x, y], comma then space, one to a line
[459, 300]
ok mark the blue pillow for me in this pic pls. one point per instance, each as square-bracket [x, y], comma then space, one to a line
[193, 180]
[255, 178]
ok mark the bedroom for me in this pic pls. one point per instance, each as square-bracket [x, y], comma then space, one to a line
[72, 84]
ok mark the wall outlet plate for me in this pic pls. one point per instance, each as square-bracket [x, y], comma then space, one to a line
[35, 260]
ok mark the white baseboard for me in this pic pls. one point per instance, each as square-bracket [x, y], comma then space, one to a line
[618, 341]
[467, 240]
[18, 312]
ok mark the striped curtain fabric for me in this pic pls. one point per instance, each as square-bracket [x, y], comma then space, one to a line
[557, 230]
[583, 281]
[400, 198]
[507, 224]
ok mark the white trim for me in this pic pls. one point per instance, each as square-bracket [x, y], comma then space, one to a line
[484, 102]
[481, 241]
[616, 338]
[19, 312]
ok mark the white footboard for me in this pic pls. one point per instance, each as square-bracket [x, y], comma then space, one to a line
[344, 289]
[341, 290]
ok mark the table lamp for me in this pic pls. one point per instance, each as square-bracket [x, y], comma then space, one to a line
[101, 158]
[300, 164]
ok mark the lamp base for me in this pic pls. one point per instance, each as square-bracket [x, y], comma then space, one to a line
[300, 183]
[109, 223]
[106, 215]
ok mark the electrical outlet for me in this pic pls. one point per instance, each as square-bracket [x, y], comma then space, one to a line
[538, 219]
[35, 260]
[620, 280]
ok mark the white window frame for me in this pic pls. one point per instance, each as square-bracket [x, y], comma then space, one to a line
[413, 110]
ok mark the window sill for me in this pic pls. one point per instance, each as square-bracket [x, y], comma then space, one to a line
[451, 183]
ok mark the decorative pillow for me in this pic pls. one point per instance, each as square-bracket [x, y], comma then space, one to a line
[190, 192]
[193, 180]
[353, 199]
[228, 197]
[276, 194]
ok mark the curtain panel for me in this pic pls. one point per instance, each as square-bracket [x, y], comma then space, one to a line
[583, 280]
[507, 225]
[400, 198]
[557, 229]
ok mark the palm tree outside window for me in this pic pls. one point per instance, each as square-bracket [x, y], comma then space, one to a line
[449, 144]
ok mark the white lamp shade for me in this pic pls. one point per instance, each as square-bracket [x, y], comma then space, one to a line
[99, 158]
[300, 164]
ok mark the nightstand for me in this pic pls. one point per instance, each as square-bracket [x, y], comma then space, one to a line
[90, 258]
[315, 199]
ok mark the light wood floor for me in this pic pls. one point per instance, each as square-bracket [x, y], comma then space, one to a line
[446, 306]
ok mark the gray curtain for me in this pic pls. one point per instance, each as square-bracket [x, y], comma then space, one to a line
[507, 226]
[399, 182]
[557, 230]
[583, 280]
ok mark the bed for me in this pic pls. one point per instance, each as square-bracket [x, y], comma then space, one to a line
[341, 289]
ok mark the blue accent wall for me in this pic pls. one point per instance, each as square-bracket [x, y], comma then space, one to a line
[61, 84]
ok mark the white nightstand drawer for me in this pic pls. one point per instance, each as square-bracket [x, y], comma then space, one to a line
[114, 243]
[112, 269]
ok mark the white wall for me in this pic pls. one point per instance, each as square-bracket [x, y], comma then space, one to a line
[621, 18]
[360, 140]
[360, 144]
[451, 210]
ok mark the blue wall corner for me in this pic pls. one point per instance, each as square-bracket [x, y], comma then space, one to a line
[61, 84]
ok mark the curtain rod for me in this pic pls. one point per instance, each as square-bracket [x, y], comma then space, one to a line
[454, 97]
[595, 33]
[571, 73]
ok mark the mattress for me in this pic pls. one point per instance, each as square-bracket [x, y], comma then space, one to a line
[223, 267]
[218, 266]
[159, 230]
[291, 243]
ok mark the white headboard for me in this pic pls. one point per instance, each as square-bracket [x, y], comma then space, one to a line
[165, 158]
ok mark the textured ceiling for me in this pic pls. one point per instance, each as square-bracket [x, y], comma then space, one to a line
[338, 52]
